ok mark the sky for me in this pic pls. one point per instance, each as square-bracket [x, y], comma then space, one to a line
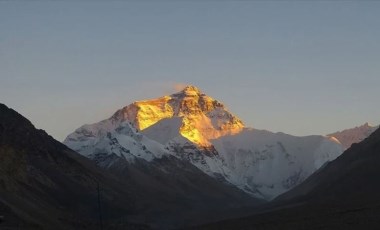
[299, 67]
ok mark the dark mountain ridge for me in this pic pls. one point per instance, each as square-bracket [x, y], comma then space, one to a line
[344, 194]
[45, 185]
[352, 177]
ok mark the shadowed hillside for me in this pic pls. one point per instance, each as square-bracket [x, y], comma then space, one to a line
[344, 194]
[44, 184]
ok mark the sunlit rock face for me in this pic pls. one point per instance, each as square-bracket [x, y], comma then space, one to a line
[203, 118]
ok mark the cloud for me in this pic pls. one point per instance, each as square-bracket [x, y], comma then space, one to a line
[153, 89]
[179, 86]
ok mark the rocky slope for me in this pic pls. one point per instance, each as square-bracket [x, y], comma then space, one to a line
[198, 129]
[202, 117]
[348, 137]
[44, 184]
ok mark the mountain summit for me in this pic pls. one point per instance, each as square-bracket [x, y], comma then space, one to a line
[201, 118]
[196, 128]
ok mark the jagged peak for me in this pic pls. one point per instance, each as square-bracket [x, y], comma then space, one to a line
[204, 118]
[363, 126]
[189, 90]
[367, 124]
[353, 135]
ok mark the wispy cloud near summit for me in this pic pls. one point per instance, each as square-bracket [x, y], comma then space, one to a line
[179, 86]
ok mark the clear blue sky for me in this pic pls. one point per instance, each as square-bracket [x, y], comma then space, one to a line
[300, 67]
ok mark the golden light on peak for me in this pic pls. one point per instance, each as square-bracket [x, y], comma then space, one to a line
[203, 118]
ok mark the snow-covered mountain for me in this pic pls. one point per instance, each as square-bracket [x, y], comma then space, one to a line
[200, 117]
[199, 129]
[45, 185]
[116, 137]
[268, 164]
[348, 137]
